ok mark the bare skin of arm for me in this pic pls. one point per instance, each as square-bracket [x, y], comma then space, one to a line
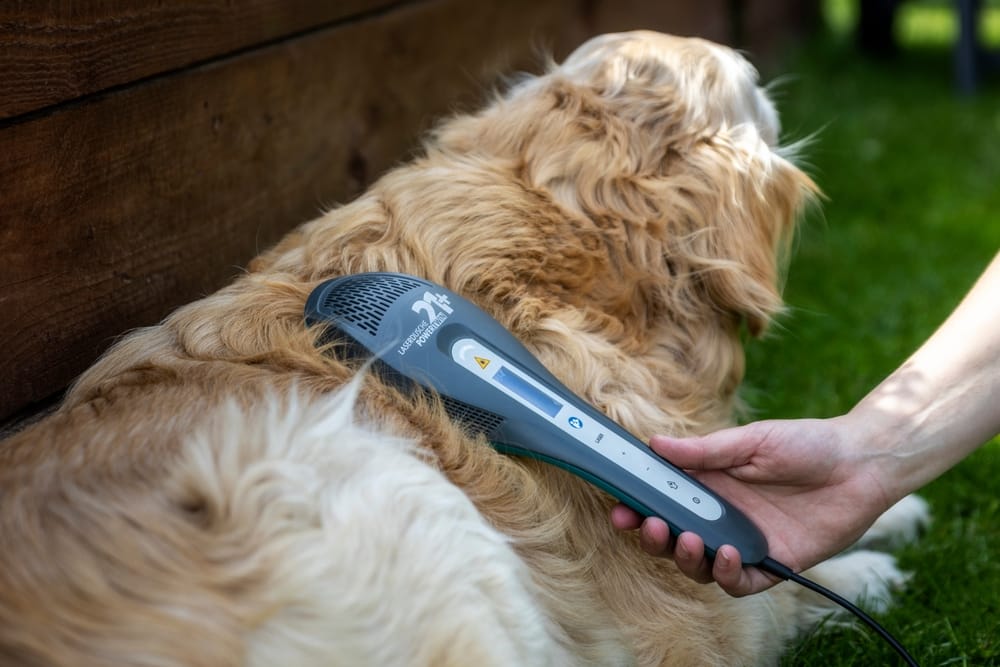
[814, 486]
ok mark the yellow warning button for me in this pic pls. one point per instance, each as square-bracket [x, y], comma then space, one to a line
[483, 363]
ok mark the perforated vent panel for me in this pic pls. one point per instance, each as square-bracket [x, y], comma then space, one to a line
[364, 300]
[474, 420]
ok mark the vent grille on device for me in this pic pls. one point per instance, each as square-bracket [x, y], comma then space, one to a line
[474, 420]
[364, 300]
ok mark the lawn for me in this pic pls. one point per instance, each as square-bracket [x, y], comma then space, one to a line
[911, 173]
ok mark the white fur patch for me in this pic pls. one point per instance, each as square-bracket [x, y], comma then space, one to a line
[900, 525]
[368, 555]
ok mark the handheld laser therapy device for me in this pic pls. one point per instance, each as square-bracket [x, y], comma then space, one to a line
[423, 335]
[493, 385]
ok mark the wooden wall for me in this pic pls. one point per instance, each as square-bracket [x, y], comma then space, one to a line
[149, 150]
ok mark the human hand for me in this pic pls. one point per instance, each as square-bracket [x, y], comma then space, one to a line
[805, 483]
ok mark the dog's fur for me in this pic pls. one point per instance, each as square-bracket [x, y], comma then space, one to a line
[218, 491]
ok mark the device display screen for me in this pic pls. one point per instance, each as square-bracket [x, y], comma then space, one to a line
[527, 391]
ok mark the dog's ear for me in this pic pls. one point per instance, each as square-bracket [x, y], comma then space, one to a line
[749, 199]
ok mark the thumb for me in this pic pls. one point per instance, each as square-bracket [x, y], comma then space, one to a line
[729, 448]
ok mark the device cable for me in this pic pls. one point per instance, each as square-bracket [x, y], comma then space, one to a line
[785, 572]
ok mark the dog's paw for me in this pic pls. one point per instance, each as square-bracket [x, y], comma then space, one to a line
[864, 577]
[901, 524]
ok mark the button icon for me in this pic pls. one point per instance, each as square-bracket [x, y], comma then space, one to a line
[483, 363]
[672, 484]
[576, 422]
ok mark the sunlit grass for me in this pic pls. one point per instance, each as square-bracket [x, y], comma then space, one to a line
[919, 22]
[936, 23]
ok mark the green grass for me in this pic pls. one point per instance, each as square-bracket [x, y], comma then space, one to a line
[912, 176]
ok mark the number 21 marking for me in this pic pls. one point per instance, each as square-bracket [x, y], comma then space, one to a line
[428, 303]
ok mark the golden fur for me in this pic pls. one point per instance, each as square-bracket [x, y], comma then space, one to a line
[623, 214]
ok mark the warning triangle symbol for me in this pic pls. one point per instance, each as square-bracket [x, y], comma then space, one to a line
[483, 363]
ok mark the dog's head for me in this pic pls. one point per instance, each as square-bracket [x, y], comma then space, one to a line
[665, 151]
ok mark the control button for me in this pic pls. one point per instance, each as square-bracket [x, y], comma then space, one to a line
[696, 500]
[575, 422]
[672, 484]
[463, 349]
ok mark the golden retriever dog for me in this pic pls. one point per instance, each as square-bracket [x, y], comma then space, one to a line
[219, 490]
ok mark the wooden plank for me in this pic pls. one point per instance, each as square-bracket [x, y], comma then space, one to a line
[768, 26]
[130, 203]
[709, 18]
[54, 51]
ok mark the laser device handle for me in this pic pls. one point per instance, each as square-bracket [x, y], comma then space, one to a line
[425, 335]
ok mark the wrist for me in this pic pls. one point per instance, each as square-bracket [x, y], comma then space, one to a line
[899, 434]
[871, 443]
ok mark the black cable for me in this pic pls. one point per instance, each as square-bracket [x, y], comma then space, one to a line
[779, 570]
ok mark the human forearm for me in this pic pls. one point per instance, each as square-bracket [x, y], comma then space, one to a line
[943, 402]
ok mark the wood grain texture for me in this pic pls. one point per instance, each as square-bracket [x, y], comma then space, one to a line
[53, 51]
[131, 203]
[710, 19]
